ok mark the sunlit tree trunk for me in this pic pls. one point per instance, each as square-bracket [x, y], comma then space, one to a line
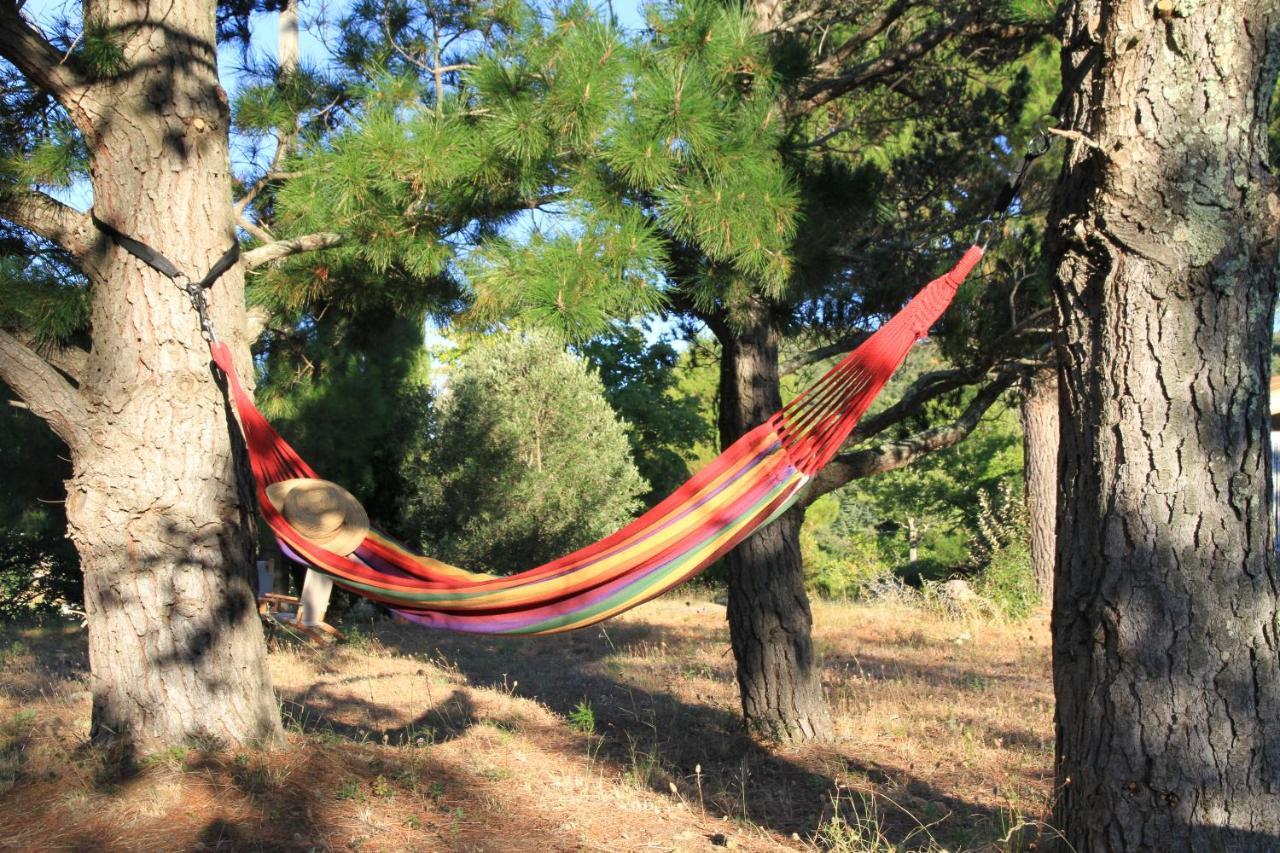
[157, 507]
[1166, 659]
[770, 623]
[1040, 465]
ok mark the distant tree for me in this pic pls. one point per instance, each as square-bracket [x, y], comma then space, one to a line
[663, 424]
[525, 462]
[1040, 443]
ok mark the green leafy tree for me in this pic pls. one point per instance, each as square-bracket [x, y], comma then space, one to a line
[663, 423]
[525, 462]
[927, 511]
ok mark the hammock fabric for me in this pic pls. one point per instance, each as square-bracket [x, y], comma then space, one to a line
[746, 487]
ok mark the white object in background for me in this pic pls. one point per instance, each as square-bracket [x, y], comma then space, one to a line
[266, 581]
[314, 600]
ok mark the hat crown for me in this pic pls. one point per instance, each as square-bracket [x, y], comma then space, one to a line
[316, 509]
[321, 512]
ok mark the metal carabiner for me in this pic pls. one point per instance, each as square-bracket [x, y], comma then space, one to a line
[1039, 144]
[1042, 141]
[986, 230]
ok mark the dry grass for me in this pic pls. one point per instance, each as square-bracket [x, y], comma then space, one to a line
[624, 737]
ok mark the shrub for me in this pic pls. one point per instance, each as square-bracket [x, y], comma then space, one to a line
[38, 578]
[526, 461]
[1001, 554]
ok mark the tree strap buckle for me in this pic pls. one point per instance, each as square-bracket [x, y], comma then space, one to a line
[197, 291]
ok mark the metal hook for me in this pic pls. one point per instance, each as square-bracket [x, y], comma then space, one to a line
[1043, 141]
[986, 229]
[1040, 144]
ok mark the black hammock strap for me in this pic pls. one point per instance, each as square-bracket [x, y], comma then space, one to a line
[195, 290]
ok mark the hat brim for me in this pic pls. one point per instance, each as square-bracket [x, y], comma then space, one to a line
[346, 539]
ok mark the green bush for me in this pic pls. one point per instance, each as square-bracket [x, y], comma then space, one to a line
[1002, 555]
[1008, 581]
[836, 566]
[38, 577]
[526, 461]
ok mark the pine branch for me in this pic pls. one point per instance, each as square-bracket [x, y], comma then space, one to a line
[45, 391]
[255, 231]
[899, 454]
[873, 28]
[898, 59]
[926, 388]
[70, 360]
[817, 354]
[44, 215]
[886, 65]
[41, 63]
[296, 246]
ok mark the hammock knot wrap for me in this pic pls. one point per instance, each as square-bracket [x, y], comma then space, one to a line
[755, 480]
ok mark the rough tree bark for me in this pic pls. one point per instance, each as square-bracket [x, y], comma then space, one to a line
[1166, 659]
[769, 618]
[156, 508]
[1040, 464]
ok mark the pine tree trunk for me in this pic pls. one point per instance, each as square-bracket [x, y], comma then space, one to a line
[770, 623]
[1040, 464]
[162, 522]
[1166, 660]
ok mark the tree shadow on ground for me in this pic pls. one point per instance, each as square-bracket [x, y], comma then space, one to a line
[696, 752]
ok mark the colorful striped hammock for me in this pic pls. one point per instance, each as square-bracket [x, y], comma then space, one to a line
[750, 484]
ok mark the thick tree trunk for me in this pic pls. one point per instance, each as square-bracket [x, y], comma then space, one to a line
[769, 619]
[1040, 464]
[162, 522]
[1166, 660]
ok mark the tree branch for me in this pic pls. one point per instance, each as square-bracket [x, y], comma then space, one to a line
[824, 91]
[45, 391]
[898, 454]
[928, 387]
[41, 63]
[284, 248]
[813, 356]
[877, 25]
[44, 215]
[70, 360]
[257, 232]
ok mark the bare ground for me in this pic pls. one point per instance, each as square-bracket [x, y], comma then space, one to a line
[625, 737]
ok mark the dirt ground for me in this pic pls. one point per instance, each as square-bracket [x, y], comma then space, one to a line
[622, 737]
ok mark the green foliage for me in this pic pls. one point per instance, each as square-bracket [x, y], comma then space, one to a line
[1002, 553]
[42, 299]
[582, 718]
[38, 576]
[525, 460]
[100, 50]
[936, 493]
[548, 171]
[836, 567]
[663, 423]
[349, 392]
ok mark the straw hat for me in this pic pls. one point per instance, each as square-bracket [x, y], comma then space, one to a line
[321, 512]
